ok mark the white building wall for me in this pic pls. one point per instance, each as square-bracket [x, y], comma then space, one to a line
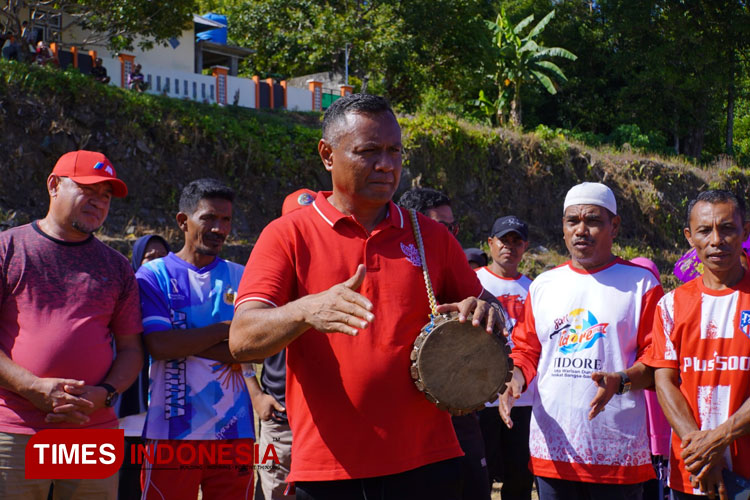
[171, 72]
[181, 58]
[113, 68]
[246, 88]
[298, 99]
[162, 58]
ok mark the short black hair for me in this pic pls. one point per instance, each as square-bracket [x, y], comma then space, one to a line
[421, 199]
[716, 196]
[352, 103]
[201, 189]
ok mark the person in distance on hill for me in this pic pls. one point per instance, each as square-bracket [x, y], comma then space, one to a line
[99, 72]
[588, 319]
[63, 296]
[340, 285]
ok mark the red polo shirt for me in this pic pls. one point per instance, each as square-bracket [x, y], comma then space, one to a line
[353, 408]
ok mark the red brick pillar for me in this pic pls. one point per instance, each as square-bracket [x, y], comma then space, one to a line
[126, 64]
[283, 85]
[316, 91]
[221, 74]
[256, 80]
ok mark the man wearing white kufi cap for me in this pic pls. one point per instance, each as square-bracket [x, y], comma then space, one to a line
[586, 326]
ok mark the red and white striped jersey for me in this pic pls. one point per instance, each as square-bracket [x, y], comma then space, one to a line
[705, 334]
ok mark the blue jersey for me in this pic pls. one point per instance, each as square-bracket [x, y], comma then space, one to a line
[192, 397]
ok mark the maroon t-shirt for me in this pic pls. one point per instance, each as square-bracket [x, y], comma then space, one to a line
[60, 303]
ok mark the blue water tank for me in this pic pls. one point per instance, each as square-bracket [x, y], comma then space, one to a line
[218, 35]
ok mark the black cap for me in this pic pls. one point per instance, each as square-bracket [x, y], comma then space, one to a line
[476, 255]
[509, 224]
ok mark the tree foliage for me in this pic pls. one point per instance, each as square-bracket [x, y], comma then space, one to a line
[671, 68]
[117, 23]
[520, 60]
[397, 48]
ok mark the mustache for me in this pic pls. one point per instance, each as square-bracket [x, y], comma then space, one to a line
[582, 240]
[215, 237]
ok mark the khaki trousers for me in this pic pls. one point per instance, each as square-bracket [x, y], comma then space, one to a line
[13, 486]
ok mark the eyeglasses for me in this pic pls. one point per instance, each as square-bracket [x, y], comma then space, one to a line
[453, 227]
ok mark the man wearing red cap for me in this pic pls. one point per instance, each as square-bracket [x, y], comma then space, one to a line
[63, 296]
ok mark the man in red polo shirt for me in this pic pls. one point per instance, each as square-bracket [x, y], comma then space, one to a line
[341, 285]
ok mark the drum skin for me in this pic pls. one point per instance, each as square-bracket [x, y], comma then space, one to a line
[458, 366]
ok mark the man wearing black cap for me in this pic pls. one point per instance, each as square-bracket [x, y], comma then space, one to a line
[63, 296]
[507, 450]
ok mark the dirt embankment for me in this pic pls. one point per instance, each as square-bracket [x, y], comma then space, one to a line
[158, 145]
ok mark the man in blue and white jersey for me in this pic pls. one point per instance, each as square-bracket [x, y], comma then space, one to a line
[198, 401]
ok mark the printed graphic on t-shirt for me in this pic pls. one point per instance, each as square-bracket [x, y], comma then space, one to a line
[713, 405]
[745, 323]
[579, 330]
[717, 315]
[573, 334]
[193, 397]
[513, 305]
[412, 254]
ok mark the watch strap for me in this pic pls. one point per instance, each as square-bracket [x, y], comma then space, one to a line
[624, 383]
[111, 393]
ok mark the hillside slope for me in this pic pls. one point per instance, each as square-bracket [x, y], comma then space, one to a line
[159, 144]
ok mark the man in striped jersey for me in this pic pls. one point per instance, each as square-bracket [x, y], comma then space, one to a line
[701, 352]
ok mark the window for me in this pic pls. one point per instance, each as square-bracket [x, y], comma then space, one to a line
[46, 24]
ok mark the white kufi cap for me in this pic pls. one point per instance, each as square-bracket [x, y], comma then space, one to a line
[591, 193]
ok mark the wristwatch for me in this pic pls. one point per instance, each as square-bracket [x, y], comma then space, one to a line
[624, 383]
[112, 394]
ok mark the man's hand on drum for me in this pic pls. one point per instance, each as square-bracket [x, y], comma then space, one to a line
[484, 310]
[513, 390]
[338, 309]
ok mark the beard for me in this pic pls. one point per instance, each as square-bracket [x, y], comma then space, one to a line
[207, 251]
[84, 228]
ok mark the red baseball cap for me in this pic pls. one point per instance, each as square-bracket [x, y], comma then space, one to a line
[298, 199]
[90, 167]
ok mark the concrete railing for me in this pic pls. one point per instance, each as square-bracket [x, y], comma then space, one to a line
[222, 88]
[183, 85]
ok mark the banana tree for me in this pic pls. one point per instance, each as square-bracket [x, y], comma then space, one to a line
[523, 60]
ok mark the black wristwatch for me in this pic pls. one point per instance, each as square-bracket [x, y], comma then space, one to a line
[112, 394]
[624, 383]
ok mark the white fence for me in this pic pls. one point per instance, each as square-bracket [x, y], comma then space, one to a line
[202, 88]
[298, 99]
[193, 86]
[241, 89]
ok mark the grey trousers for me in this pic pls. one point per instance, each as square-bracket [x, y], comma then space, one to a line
[272, 480]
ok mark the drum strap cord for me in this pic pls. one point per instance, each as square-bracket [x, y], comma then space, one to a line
[425, 271]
